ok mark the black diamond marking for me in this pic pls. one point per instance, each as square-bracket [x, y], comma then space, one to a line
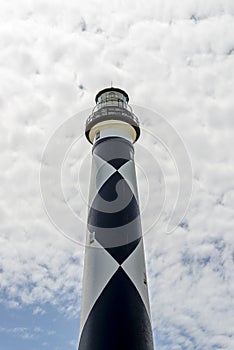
[121, 253]
[118, 319]
[125, 209]
[117, 236]
[108, 190]
[113, 147]
[123, 217]
[117, 162]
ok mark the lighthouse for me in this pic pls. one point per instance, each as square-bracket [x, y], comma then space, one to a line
[115, 311]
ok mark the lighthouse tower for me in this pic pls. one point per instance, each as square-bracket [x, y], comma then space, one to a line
[115, 312]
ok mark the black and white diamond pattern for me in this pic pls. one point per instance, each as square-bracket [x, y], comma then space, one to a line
[101, 171]
[135, 268]
[96, 259]
[115, 307]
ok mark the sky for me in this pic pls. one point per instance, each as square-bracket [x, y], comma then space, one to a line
[175, 59]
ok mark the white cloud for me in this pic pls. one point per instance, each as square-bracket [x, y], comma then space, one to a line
[175, 57]
[38, 310]
[18, 332]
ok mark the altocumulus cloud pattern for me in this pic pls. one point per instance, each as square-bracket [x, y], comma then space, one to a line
[173, 57]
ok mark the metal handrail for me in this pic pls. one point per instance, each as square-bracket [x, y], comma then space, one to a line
[110, 110]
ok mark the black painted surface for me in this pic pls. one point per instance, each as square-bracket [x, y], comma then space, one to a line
[122, 252]
[124, 210]
[111, 148]
[118, 162]
[118, 320]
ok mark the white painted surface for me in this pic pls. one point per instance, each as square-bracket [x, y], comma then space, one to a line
[134, 266]
[99, 267]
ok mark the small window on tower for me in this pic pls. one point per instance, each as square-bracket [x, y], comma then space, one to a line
[91, 237]
[145, 280]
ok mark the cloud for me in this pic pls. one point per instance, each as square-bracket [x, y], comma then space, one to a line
[19, 332]
[38, 310]
[176, 58]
